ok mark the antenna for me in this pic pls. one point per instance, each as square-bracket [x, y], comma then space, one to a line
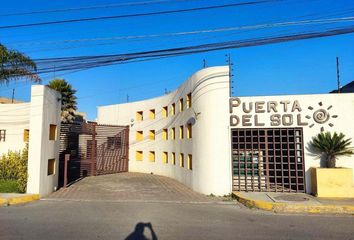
[338, 79]
[230, 63]
[13, 95]
[204, 63]
[127, 98]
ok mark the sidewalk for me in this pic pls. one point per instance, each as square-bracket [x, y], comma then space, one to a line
[7, 199]
[294, 203]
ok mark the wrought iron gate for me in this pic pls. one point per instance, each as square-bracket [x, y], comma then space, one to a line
[268, 159]
[94, 149]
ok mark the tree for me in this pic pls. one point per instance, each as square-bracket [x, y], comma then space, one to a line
[15, 65]
[68, 99]
[331, 147]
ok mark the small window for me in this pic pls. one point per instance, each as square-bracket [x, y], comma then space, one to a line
[189, 162]
[152, 114]
[165, 112]
[173, 158]
[152, 134]
[152, 156]
[181, 133]
[165, 157]
[139, 155]
[2, 135]
[189, 100]
[164, 134]
[51, 167]
[173, 109]
[173, 133]
[189, 130]
[181, 105]
[139, 136]
[181, 160]
[26, 135]
[139, 116]
[52, 132]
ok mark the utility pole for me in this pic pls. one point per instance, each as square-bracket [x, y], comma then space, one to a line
[127, 98]
[13, 95]
[338, 80]
[230, 63]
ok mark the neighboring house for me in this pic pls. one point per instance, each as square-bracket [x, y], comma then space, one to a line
[349, 88]
[4, 100]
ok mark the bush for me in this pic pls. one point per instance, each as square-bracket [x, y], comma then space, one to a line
[8, 186]
[13, 166]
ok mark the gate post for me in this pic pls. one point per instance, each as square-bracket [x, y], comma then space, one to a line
[94, 145]
[66, 159]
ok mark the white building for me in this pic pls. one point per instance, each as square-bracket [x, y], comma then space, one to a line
[216, 144]
[35, 123]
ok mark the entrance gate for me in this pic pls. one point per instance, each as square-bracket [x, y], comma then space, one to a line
[269, 159]
[94, 150]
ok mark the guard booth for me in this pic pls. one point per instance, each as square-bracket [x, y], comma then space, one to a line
[94, 150]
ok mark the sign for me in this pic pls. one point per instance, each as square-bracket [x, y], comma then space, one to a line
[275, 113]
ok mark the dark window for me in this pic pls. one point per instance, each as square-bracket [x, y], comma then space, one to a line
[2, 135]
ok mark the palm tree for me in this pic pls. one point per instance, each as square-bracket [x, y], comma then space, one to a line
[14, 65]
[331, 147]
[68, 99]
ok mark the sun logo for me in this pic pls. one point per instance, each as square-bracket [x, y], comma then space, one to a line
[321, 116]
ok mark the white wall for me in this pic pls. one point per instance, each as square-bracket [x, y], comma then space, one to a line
[14, 118]
[44, 110]
[342, 105]
[210, 142]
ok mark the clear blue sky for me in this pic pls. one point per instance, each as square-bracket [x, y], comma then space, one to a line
[299, 67]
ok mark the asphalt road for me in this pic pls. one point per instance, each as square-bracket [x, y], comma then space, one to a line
[63, 219]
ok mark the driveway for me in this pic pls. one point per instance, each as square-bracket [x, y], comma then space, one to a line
[129, 187]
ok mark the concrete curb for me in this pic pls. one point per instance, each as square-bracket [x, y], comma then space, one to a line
[294, 208]
[18, 200]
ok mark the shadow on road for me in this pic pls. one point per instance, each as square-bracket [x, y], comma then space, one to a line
[138, 233]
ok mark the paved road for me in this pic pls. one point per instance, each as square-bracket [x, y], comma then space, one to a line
[92, 210]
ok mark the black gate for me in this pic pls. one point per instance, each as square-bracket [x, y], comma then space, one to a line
[94, 150]
[268, 159]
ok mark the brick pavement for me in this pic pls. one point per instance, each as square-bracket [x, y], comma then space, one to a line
[130, 187]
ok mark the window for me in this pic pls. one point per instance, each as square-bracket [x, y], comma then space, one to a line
[165, 112]
[114, 143]
[52, 132]
[181, 132]
[165, 157]
[173, 158]
[164, 134]
[189, 130]
[181, 105]
[152, 114]
[152, 156]
[189, 100]
[189, 162]
[51, 167]
[173, 109]
[139, 136]
[181, 160]
[139, 116]
[26, 135]
[173, 133]
[2, 135]
[152, 134]
[139, 155]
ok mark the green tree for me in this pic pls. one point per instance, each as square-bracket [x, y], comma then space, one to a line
[68, 99]
[15, 65]
[331, 147]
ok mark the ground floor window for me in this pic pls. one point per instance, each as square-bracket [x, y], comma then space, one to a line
[270, 159]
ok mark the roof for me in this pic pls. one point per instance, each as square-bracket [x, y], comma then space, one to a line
[349, 88]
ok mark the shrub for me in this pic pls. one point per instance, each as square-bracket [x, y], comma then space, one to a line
[13, 166]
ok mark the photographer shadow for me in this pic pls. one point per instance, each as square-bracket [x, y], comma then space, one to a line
[138, 233]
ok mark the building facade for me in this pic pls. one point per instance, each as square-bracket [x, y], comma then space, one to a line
[217, 144]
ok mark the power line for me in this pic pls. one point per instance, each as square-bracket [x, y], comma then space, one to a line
[139, 14]
[116, 5]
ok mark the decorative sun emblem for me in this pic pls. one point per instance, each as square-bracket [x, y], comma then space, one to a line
[321, 116]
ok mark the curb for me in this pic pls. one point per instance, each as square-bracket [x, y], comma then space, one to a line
[18, 200]
[294, 208]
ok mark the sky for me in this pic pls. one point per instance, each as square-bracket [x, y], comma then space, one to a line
[297, 67]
